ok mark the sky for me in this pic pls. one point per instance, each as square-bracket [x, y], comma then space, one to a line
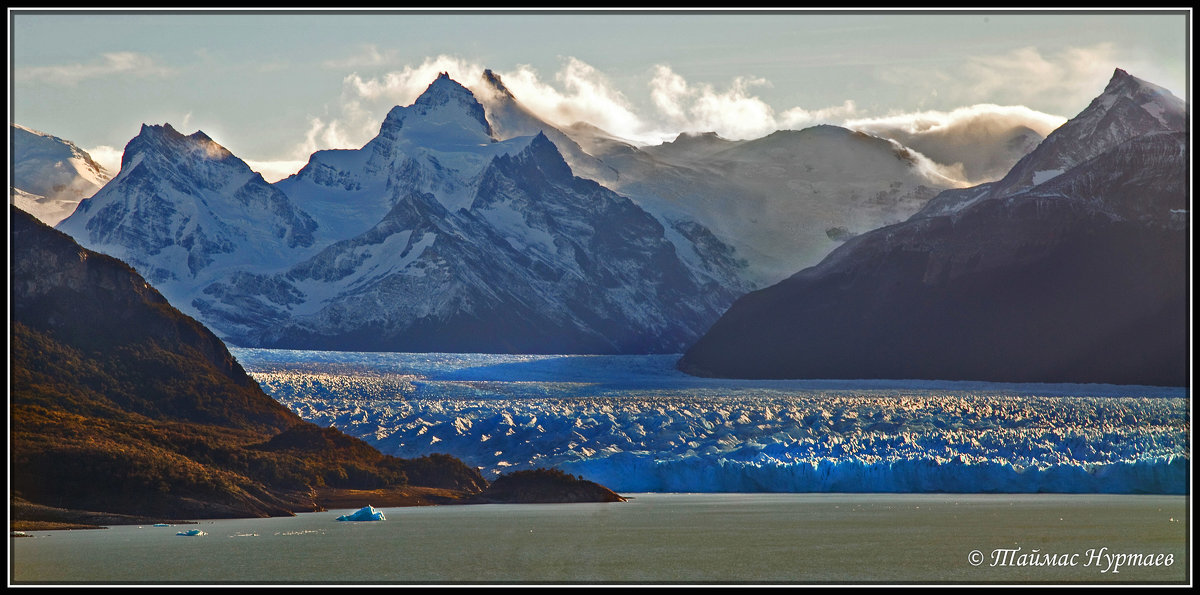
[274, 86]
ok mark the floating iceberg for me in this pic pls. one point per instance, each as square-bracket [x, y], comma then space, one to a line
[366, 513]
[192, 533]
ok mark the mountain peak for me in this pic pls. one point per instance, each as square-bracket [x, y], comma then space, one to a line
[696, 136]
[443, 102]
[493, 80]
[1124, 84]
[170, 141]
[542, 152]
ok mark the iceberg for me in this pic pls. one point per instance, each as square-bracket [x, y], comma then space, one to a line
[366, 513]
[192, 533]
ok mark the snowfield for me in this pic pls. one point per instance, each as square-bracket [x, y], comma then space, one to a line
[635, 424]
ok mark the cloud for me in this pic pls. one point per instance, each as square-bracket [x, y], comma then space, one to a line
[110, 64]
[586, 96]
[974, 143]
[108, 157]
[273, 171]
[1062, 81]
[983, 141]
[577, 92]
[734, 113]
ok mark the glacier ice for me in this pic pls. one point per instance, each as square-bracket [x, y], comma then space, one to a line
[635, 424]
[366, 513]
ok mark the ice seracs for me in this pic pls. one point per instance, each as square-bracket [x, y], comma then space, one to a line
[634, 423]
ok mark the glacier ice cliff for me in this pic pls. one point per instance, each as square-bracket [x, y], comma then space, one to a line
[635, 424]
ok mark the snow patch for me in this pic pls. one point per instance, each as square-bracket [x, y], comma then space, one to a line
[1043, 176]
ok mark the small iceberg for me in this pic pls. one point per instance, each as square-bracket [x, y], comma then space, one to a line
[366, 513]
[161, 525]
[191, 533]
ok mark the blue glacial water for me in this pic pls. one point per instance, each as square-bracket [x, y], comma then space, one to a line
[635, 424]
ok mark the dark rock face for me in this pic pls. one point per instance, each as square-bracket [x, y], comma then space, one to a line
[540, 261]
[121, 404]
[544, 486]
[435, 236]
[182, 203]
[1079, 278]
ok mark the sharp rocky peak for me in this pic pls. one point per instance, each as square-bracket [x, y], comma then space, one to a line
[543, 154]
[165, 139]
[443, 95]
[1124, 88]
[493, 80]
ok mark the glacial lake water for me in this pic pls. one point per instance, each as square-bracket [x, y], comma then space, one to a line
[652, 539]
[733, 481]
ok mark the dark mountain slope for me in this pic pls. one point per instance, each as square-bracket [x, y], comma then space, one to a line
[121, 404]
[1074, 268]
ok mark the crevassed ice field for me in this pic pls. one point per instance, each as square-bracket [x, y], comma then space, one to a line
[635, 424]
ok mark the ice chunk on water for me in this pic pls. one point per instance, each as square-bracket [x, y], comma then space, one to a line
[192, 533]
[366, 513]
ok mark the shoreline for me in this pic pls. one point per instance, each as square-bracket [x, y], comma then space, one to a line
[413, 496]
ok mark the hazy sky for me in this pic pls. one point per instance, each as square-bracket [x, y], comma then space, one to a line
[274, 86]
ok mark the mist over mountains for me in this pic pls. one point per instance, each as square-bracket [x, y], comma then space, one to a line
[1073, 267]
[51, 175]
[470, 224]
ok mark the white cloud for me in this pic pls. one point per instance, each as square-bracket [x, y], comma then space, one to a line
[108, 157]
[981, 141]
[587, 96]
[986, 114]
[1062, 80]
[273, 171]
[577, 92]
[735, 113]
[110, 64]
[798, 117]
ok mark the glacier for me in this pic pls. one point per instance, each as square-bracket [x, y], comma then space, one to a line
[635, 424]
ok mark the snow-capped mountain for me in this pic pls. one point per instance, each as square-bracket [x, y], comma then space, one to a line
[708, 257]
[51, 175]
[1072, 268]
[1127, 108]
[509, 119]
[782, 201]
[184, 211]
[436, 235]
[539, 261]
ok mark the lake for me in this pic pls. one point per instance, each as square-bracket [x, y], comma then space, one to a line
[651, 539]
[733, 481]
